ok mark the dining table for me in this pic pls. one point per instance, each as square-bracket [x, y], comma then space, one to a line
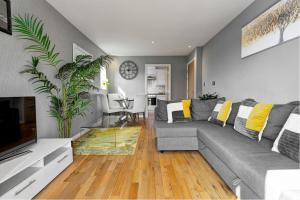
[125, 103]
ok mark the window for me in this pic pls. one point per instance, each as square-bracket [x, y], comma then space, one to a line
[103, 79]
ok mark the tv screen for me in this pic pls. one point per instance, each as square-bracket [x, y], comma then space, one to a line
[17, 123]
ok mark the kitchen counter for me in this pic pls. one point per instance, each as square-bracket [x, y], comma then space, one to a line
[156, 94]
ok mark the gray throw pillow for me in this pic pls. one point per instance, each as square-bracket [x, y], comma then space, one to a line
[202, 109]
[161, 112]
[277, 118]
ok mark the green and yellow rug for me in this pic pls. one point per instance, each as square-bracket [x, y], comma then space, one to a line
[108, 141]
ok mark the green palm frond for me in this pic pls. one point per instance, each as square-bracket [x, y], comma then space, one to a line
[56, 107]
[79, 107]
[39, 78]
[31, 28]
[66, 71]
[76, 78]
[82, 60]
[91, 69]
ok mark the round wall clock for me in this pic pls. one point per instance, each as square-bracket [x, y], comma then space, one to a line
[128, 70]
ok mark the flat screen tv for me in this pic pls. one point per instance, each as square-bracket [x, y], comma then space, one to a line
[17, 125]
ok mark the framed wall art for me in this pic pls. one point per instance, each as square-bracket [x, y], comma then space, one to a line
[5, 16]
[275, 26]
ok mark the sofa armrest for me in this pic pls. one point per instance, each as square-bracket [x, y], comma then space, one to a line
[279, 182]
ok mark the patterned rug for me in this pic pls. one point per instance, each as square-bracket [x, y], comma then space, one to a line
[108, 141]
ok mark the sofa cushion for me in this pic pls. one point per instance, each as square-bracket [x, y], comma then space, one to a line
[234, 111]
[173, 110]
[177, 143]
[247, 158]
[287, 142]
[177, 129]
[202, 109]
[277, 118]
[161, 111]
[240, 124]
[221, 113]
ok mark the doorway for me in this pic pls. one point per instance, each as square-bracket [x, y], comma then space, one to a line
[191, 79]
[157, 84]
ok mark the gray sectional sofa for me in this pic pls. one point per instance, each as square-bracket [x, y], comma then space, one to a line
[241, 162]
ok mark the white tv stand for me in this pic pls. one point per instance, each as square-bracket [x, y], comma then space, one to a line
[25, 176]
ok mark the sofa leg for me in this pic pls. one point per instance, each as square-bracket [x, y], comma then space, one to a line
[161, 151]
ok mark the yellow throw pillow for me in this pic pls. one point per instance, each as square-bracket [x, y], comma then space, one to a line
[186, 108]
[258, 117]
[225, 111]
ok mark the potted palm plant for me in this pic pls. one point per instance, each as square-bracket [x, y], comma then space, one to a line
[68, 99]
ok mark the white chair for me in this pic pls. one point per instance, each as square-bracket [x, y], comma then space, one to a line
[139, 107]
[106, 108]
[113, 104]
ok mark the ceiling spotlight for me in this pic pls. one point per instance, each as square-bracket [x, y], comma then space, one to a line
[189, 46]
[152, 42]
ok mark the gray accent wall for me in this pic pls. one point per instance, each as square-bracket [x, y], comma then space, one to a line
[13, 58]
[137, 85]
[268, 76]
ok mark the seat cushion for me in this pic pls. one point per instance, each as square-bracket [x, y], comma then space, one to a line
[249, 159]
[177, 129]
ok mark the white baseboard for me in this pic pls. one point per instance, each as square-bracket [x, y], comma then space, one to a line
[82, 132]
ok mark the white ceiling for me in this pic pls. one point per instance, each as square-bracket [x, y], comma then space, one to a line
[128, 27]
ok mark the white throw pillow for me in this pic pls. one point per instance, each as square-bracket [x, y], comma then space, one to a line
[172, 107]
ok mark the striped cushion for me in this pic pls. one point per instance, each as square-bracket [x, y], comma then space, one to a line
[252, 119]
[287, 142]
[241, 120]
[221, 112]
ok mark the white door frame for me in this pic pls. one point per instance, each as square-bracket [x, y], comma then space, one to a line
[169, 66]
[195, 77]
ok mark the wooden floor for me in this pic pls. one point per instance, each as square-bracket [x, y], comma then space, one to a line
[145, 175]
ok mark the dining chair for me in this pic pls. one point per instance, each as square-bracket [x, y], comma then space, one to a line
[107, 110]
[113, 104]
[139, 106]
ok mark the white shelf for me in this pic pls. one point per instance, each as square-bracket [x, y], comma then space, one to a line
[18, 178]
[54, 155]
[26, 176]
